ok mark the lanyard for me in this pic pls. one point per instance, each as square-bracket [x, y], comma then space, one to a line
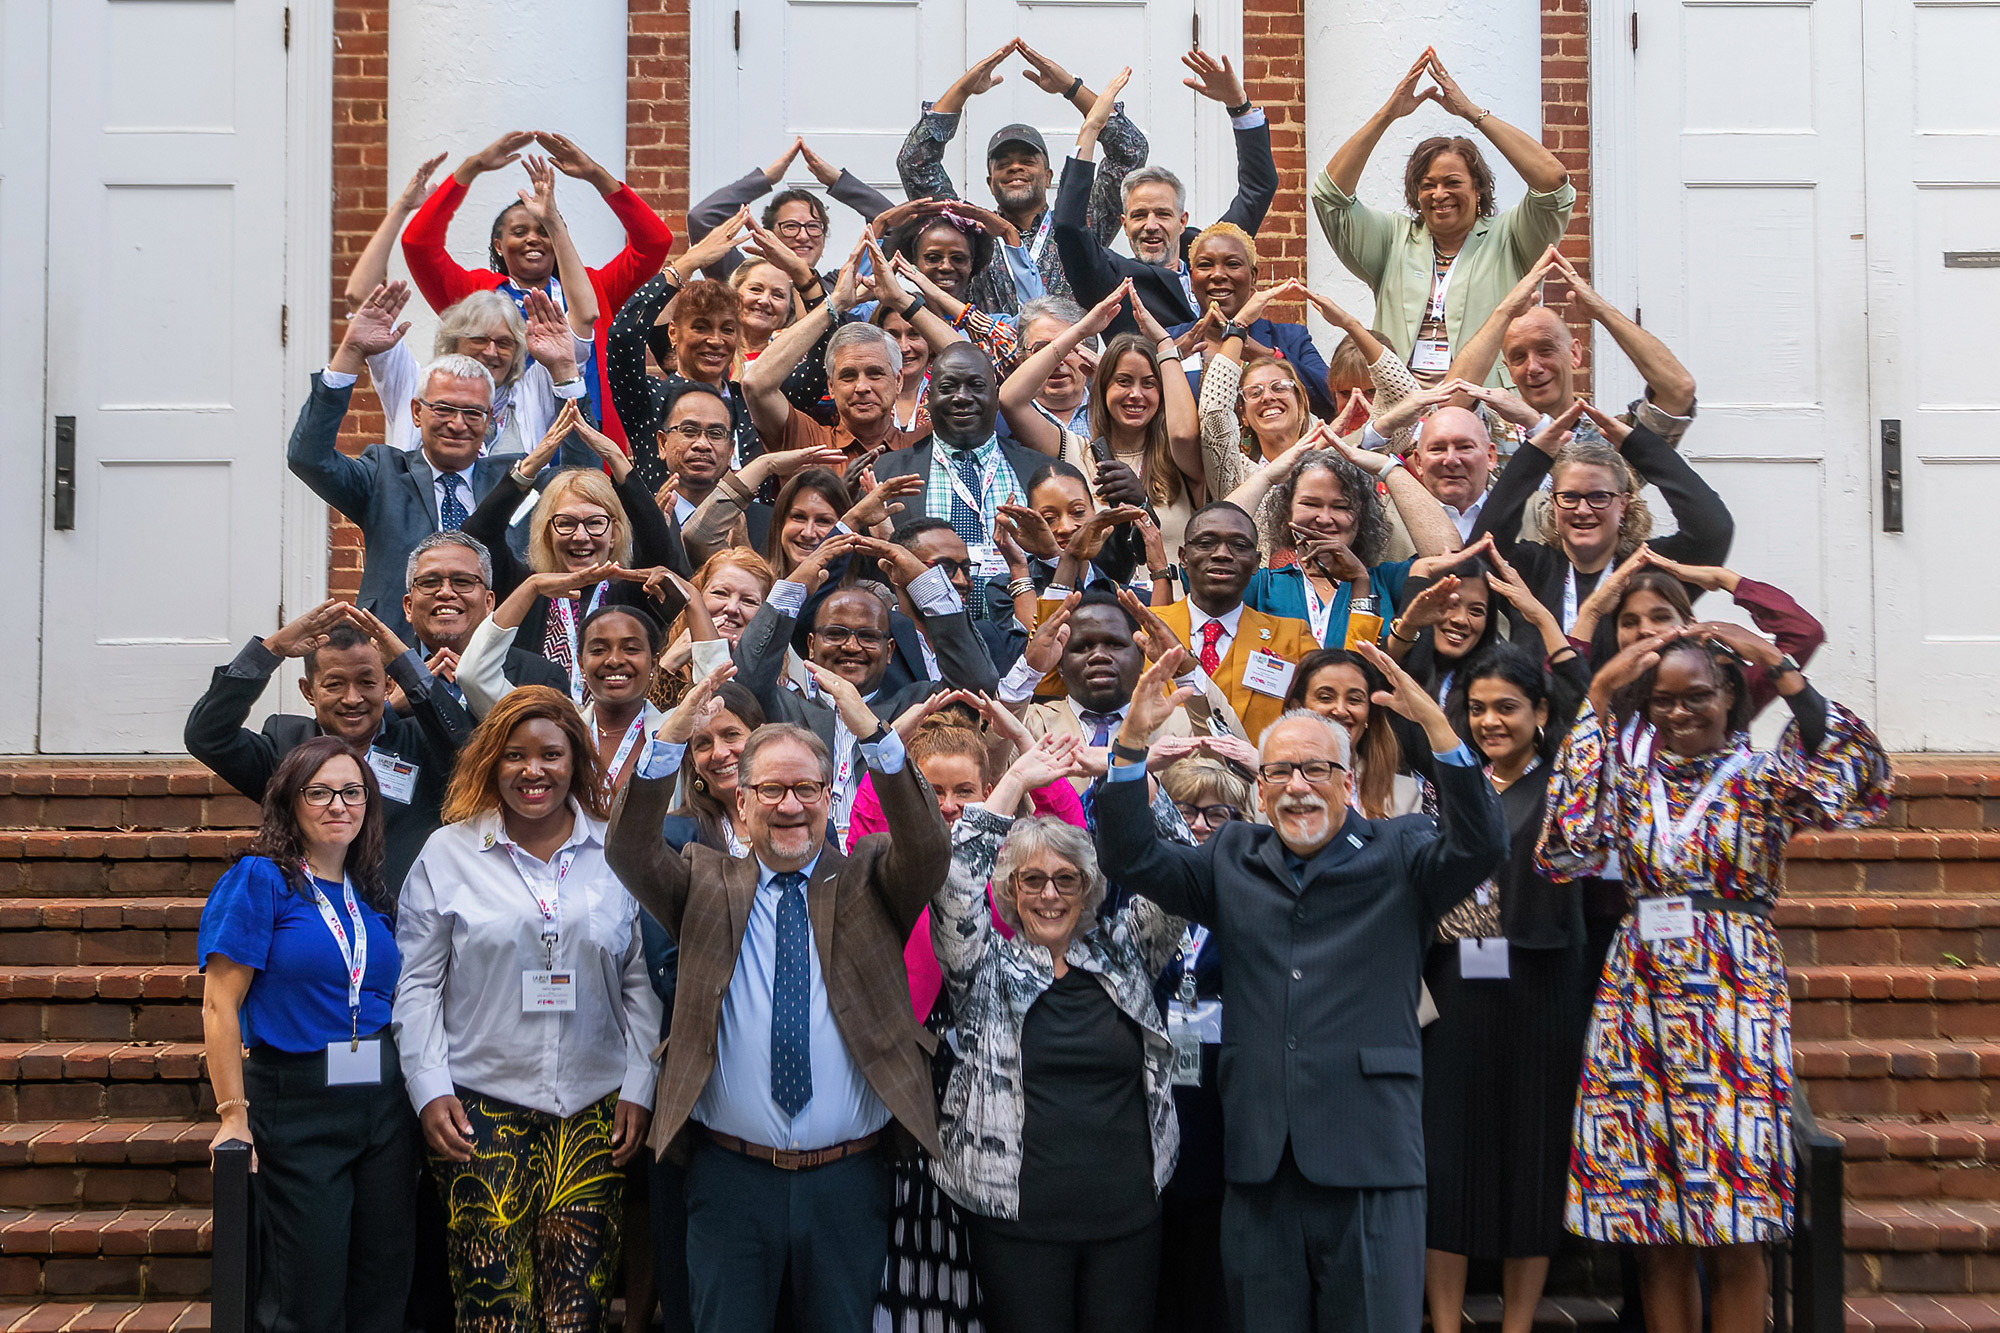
[1569, 599]
[844, 746]
[1439, 285]
[988, 476]
[354, 954]
[1041, 241]
[550, 906]
[566, 617]
[1318, 613]
[632, 735]
[1192, 940]
[1676, 831]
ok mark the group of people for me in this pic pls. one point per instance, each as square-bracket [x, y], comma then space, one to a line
[994, 784]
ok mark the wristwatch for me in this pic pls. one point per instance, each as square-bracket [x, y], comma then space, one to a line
[1234, 111]
[1787, 666]
[1127, 753]
[1234, 330]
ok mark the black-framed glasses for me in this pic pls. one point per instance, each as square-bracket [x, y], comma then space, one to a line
[432, 583]
[1212, 541]
[835, 636]
[565, 525]
[1593, 500]
[773, 793]
[319, 797]
[1314, 771]
[952, 566]
[1214, 816]
[471, 416]
[694, 430]
[1068, 883]
[793, 231]
[1694, 701]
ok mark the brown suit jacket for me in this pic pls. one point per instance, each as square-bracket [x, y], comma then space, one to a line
[1256, 632]
[862, 907]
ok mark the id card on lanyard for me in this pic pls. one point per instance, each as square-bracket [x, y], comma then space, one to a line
[567, 618]
[547, 991]
[632, 735]
[358, 1061]
[1673, 918]
[1432, 356]
[1191, 1021]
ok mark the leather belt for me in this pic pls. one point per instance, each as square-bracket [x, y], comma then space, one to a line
[1705, 902]
[787, 1159]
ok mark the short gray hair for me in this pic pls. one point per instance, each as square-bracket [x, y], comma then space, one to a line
[864, 335]
[1046, 833]
[450, 537]
[773, 733]
[1342, 744]
[1152, 175]
[1059, 308]
[471, 318]
[454, 367]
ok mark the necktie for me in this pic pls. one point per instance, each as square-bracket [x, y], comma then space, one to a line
[451, 510]
[1103, 723]
[791, 999]
[1211, 634]
[966, 521]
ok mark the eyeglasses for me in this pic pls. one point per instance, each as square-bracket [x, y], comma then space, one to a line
[694, 430]
[1211, 541]
[471, 416]
[1588, 499]
[1068, 883]
[1694, 701]
[565, 525]
[834, 636]
[472, 341]
[319, 797]
[1214, 816]
[1277, 389]
[952, 566]
[459, 583]
[792, 231]
[772, 793]
[1314, 771]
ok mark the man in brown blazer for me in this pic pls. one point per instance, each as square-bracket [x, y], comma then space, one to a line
[794, 1061]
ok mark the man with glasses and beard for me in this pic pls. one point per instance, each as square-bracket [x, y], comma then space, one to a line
[1322, 919]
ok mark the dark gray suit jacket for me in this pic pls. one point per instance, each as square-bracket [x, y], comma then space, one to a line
[1320, 1043]
[713, 211]
[916, 461]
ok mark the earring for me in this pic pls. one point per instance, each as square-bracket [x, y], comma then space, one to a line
[700, 783]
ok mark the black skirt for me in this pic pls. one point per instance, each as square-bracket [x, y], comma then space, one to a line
[1500, 1073]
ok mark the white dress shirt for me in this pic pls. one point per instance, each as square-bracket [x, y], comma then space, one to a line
[468, 927]
[1467, 518]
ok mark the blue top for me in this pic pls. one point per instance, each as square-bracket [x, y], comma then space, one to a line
[298, 1000]
[1282, 592]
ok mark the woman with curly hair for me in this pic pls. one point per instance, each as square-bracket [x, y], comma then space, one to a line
[526, 1020]
[299, 964]
[1596, 515]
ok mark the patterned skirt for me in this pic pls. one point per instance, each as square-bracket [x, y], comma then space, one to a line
[1683, 1119]
[928, 1285]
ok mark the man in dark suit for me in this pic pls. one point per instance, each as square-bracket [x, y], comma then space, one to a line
[968, 471]
[932, 541]
[795, 1060]
[450, 593]
[1155, 216]
[344, 650]
[1323, 919]
[396, 497]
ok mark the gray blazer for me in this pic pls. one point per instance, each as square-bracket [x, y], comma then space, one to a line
[713, 211]
[388, 493]
[1320, 1043]
[916, 461]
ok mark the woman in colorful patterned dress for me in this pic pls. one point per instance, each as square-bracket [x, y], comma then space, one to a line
[1683, 1119]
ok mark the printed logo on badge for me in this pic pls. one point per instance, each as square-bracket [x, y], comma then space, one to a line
[1268, 673]
[396, 777]
[548, 992]
[1666, 919]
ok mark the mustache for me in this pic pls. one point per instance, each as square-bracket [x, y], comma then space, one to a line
[1298, 805]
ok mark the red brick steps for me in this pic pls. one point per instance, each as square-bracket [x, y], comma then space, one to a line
[1905, 1313]
[129, 1252]
[78, 1003]
[54, 932]
[106, 1317]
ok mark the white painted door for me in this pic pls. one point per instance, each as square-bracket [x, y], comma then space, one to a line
[1933, 148]
[1731, 215]
[24, 142]
[772, 69]
[166, 268]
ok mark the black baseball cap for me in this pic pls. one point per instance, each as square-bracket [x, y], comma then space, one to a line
[1011, 134]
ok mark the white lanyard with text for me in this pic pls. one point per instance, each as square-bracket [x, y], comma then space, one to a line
[549, 990]
[1318, 612]
[567, 618]
[988, 476]
[1191, 1022]
[353, 954]
[1439, 286]
[1569, 599]
[632, 735]
[1041, 241]
[1675, 833]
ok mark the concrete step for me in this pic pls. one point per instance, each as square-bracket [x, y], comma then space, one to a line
[135, 1253]
[1854, 1078]
[106, 1317]
[155, 1003]
[1951, 932]
[1873, 1001]
[56, 932]
[72, 1081]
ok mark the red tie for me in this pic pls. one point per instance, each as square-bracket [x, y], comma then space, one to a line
[1211, 660]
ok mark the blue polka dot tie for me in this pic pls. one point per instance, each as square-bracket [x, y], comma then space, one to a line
[791, 998]
[451, 510]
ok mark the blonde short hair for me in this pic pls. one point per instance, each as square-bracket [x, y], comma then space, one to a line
[580, 483]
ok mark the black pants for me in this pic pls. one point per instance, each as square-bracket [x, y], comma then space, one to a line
[1192, 1297]
[666, 1203]
[1101, 1286]
[335, 1190]
[749, 1224]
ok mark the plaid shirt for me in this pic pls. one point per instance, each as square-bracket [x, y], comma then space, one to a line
[999, 485]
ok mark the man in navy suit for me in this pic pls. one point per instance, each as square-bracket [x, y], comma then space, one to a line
[1322, 919]
[395, 497]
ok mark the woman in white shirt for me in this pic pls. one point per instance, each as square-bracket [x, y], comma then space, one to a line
[525, 1020]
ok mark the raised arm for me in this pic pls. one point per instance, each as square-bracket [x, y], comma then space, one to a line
[1176, 397]
[1706, 527]
[441, 279]
[649, 867]
[1256, 170]
[1018, 390]
[844, 187]
[1523, 151]
[1668, 383]
[1347, 162]
[578, 294]
[648, 240]
[343, 481]
[215, 733]
[1521, 478]
[1474, 361]
[1431, 530]
[920, 161]
[371, 269]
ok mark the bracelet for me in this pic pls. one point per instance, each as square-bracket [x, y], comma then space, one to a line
[1787, 666]
[917, 305]
[1234, 111]
[1396, 625]
[1021, 587]
[1130, 754]
[1481, 116]
[673, 275]
[1161, 575]
[1074, 87]
[243, 1102]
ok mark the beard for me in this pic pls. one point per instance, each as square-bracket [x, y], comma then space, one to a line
[1304, 823]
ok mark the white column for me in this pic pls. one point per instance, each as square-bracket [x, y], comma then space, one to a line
[462, 72]
[1354, 56]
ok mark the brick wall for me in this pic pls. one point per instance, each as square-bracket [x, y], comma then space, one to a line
[656, 137]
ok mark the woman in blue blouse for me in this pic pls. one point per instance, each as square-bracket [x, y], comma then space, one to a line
[300, 965]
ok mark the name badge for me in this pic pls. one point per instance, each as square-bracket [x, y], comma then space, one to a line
[396, 777]
[1268, 673]
[1666, 919]
[1186, 1072]
[1431, 356]
[1203, 1018]
[352, 1062]
[987, 560]
[548, 992]
[1483, 960]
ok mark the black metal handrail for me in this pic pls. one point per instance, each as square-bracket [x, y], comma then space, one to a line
[1809, 1270]
[231, 1242]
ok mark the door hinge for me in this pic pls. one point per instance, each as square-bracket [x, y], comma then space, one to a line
[1197, 30]
[736, 29]
[1635, 30]
[1639, 316]
[285, 325]
[288, 27]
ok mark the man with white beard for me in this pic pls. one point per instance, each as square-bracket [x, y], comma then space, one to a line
[1323, 918]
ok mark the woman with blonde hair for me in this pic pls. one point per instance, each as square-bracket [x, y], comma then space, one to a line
[525, 1021]
[585, 521]
[726, 592]
[1596, 515]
